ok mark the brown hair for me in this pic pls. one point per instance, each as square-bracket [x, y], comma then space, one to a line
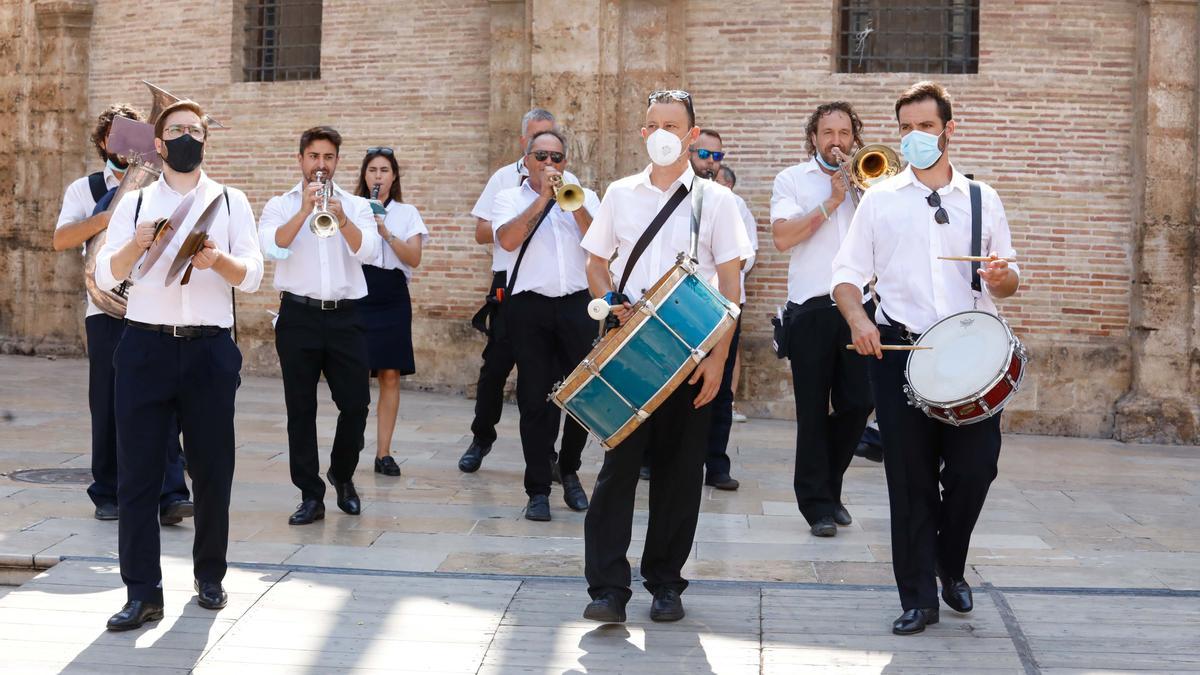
[824, 109]
[394, 194]
[321, 134]
[710, 132]
[104, 123]
[185, 104]
[927, 90]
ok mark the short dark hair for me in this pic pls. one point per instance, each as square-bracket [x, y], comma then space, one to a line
[104, 123]
[729, 175]
[363, 191]
[552, 132]
[674, 96]
[322, 133]
[711, 132]
[927, 90]
[814, 120]
[161, 122]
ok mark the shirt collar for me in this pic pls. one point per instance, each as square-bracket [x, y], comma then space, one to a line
[810, 166]
[200, 188]
[300, 186]
[957, 180]
[109, 176]
[521, 170]
[685, 179]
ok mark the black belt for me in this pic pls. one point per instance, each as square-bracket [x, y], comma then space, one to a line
[319, 304]
[186, 332]
[897, 330]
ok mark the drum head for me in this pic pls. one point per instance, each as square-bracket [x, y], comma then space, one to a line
[970, 349]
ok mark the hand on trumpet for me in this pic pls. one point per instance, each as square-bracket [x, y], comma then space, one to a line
[335, 207]
[551, 180]
[838, 181]
[310, 196]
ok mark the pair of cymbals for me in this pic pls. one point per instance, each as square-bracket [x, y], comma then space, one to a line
[164, 233]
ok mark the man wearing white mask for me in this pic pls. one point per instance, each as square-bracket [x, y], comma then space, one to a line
[678, 429]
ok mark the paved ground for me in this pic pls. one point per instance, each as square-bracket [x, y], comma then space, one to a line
[1086, 559]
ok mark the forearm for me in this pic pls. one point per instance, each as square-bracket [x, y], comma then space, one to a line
[75, 234]
[124, 259]
[351, 233]
[232, 270]
[583, 219]
[787, 233]
[483, 231]
[409, 252]
[849, 299]
[511, 234]
[285, 234]
[599, 280]
[729, 281]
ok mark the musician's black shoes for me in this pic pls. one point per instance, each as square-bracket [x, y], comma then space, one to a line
[957, 594]
[473, 457]
[347, 496]
[538, 508]
[387, 466]
[841, 516]
[573, 493]
[824, 527]
[134, 614]
[666, 606]
[106, 512]
[308, 511]
[722, 481]
[914, 621]
[175, 511]
[210, 595]
[605, 609]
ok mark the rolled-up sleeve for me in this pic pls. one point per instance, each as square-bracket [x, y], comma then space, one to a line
[273, 217]
[505, 207]
[243, 241]
[854, 263]
[600, 239]
[121, 229]
[729, 240]
[364, 218]
[999, 237]
[785, 203]
[751, 231]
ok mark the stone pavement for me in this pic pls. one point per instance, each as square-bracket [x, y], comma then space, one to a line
[1086, 559]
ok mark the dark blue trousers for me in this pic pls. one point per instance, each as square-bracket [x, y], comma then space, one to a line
[103, 334]
[160, 378]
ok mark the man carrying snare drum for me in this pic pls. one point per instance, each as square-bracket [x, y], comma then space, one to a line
[901, 228]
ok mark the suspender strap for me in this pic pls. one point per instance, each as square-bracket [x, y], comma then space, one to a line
[976, 233]
[648, 236]
[97, 185]
[512, 278]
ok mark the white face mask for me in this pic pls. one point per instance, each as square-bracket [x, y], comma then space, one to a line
[663, 147]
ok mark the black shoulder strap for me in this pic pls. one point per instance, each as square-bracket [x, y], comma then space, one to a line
[232, 289]
[137, 210]
[648, 236]
[512, 278]
[976, 233]
[97, 185]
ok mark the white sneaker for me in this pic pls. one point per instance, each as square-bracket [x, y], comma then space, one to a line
[737, 416]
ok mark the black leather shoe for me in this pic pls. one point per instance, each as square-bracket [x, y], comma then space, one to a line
[347, 496]
[824, 527]
[573, 493]
[841, 516]
[666, 606]
[644, 473]
[605, 609]
[210, 595]
[308, 511]
[472, 459]
[914, 621]
[957, 594]
[175, 511]
[106, 512]
[387, 466]
[869, 452]
[722, 481]
[134, 614]
[538, 508]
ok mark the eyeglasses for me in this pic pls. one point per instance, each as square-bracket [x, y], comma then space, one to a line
[541, 155]
[662, 95]
[716, 155]
[386, 152]
[934, 200]
[176, 130]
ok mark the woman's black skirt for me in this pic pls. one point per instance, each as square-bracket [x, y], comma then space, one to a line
[387, 314]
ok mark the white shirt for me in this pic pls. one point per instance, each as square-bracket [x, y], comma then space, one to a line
[798, 190]
[404, 222]
[320, 268]
[894, 236]
[78, 205]
[507, 176]
[752, 234]
[205, 300]
[554, 265]
[631, 203]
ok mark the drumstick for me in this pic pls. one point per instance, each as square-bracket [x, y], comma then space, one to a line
[972, 258]
[897, 348]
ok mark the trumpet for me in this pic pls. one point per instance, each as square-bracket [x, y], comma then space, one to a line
[321, 221]
[869, 165]
[568, 195]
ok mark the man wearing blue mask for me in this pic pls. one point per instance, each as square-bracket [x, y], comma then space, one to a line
[900, 228]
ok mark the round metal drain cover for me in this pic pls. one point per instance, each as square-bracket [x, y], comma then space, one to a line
[53, 476]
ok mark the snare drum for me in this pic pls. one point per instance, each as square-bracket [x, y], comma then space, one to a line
[633, 369]
[973, 368]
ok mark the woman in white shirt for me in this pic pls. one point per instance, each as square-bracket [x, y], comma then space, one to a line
[387, 310]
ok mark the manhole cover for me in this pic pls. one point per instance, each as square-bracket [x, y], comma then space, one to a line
[53, 476]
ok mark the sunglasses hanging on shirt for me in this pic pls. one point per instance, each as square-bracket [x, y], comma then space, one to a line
[934, 200]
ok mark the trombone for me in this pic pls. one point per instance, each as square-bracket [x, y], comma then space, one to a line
[568, 195]
[869, 165]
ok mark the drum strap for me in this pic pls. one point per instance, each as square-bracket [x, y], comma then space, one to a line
[512, 278]
[648, 236]
[976, 233]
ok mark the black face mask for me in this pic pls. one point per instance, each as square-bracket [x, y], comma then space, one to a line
[184, 154]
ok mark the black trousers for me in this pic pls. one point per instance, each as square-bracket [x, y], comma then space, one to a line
[103, 334]
[311, 342]
[678, 433]
[159, 378]
[825, 374]
[498, 362]
[930, 531]
[716, 463]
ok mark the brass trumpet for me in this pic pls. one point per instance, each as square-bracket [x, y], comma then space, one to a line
[321, 221]
[869, 165]
[568, 195]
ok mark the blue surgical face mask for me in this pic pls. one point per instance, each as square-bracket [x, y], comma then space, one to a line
[920, 149]
[826, 165]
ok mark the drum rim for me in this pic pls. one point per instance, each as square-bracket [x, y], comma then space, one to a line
[1014, 343]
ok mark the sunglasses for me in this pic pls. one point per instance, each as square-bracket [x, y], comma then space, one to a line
[662, 95]
[940, 216]
[387, 152]
[541, 155]
[716, 155]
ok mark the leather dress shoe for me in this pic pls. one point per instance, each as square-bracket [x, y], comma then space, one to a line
[134, 614]
[869, 452]
[472, 459]
[667, 606]
[387, 466]
[107, 512]
[605, 609]
[308, 511]
[841, 516]
[824, 527]
[722, 481]
[644, 473]
[347, 496]
[957, 594]
[538, 508]
[573, 493]
[175, 511]
[914, 621]
[210, 595]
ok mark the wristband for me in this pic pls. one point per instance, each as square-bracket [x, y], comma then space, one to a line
[823, 211]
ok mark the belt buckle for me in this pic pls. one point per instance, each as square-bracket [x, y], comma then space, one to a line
[329, 304]
[175, 332]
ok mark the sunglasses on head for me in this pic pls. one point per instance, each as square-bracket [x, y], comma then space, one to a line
[380, 151]
[716, 155]
[541, 155]
[663, 95]
[940, 216]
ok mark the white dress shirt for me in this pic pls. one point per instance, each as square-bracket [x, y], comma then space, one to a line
[315, 267]
[205, 300]
[554, 265]
[752, 234]
[506, 177]
[78, 205]
[631, 203]
[894, 236]
[798, 190]
[404, 222]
